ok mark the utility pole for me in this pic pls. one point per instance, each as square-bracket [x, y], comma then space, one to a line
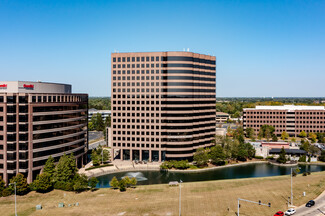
[259, 203]
[180, 197]
[291, 187]
[15, 197]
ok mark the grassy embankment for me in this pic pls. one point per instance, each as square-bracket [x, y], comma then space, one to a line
[198, 198]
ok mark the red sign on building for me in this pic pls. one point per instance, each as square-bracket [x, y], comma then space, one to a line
[28, 86]
[3, 85]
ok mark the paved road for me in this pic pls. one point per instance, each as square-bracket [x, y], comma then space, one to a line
[317, 210]
[96, 144]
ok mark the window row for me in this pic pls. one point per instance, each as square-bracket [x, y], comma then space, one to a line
[136, 84]
[137, 59]
[136, 78]
[136, 65]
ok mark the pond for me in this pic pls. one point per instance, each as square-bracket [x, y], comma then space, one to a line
[233, 172]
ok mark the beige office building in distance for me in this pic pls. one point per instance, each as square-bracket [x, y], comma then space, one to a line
[163, 104]
[39, 120]
[289, 118]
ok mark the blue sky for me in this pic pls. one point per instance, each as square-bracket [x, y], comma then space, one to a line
[263, 48]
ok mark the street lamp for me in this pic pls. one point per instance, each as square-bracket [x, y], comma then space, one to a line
[15, 198]
[291, 187]
[180, 193]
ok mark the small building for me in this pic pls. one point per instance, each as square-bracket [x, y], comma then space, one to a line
[276, 145]
[104, 113]
[293, 154]
[221, 131]
[222, 117]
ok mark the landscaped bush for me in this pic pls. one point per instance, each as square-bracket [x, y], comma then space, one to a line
[259, 157]
[183, 164]
[270, 157]
[95, 167]
[304, 174]
[302, 158]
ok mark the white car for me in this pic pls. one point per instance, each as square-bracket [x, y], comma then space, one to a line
[290, 212]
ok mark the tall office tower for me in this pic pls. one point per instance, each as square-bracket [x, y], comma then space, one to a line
[163, 104]
[38, 120]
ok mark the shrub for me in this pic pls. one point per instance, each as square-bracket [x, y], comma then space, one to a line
[133, 182]
[259, 157]
[6, 192]
[122, 185]
[93, 182]
[304, 174]
[302, 158]
[66, 186]
[270, 157]
[308, 173]
[21, 184]
[294, 174]
[114, 183]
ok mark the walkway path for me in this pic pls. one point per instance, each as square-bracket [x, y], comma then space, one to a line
[119, 166]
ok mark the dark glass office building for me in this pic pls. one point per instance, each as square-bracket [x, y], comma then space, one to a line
[38, 120]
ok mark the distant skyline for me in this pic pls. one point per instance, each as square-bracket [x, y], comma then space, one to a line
[268, 48]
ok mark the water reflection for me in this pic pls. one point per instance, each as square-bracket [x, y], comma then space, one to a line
[235, 172]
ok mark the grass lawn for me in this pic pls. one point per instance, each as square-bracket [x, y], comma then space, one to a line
[198, 198]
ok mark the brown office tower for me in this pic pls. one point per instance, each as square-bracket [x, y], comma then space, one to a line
[38, 120]
[163, 104]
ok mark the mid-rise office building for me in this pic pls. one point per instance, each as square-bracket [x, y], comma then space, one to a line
[38, 120]
[289, 118]
[163, 104]
[222, 117]
[93, 112]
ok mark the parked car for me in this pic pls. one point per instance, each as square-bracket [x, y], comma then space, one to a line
[290, 211]
[279, 213]
[310, 203]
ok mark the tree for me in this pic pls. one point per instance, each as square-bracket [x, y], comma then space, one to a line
[2, 185]
[284, 135]
[293, 139]
[201, 157]
[99, 122]
[274, 138]
[95, 158]
[313, 150]
[127, 181]
[313, 137]
[93, 181]
[217, 155]
[66, 168]
[93, 123]
[114, 183]
[133, 182]
[282, 157]
[242, 153]
[122, 185]
[21, 184]
[303, 134]
[43, 182]
[250, 133]
[266, 131]
[49, 167]
[322, 156]
[80, 182]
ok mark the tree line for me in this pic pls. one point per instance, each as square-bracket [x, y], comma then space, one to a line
[99, 103]
[63, 176]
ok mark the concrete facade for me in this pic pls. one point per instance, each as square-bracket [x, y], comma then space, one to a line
[163, 104]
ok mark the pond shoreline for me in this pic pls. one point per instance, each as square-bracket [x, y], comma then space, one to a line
[156, 167]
